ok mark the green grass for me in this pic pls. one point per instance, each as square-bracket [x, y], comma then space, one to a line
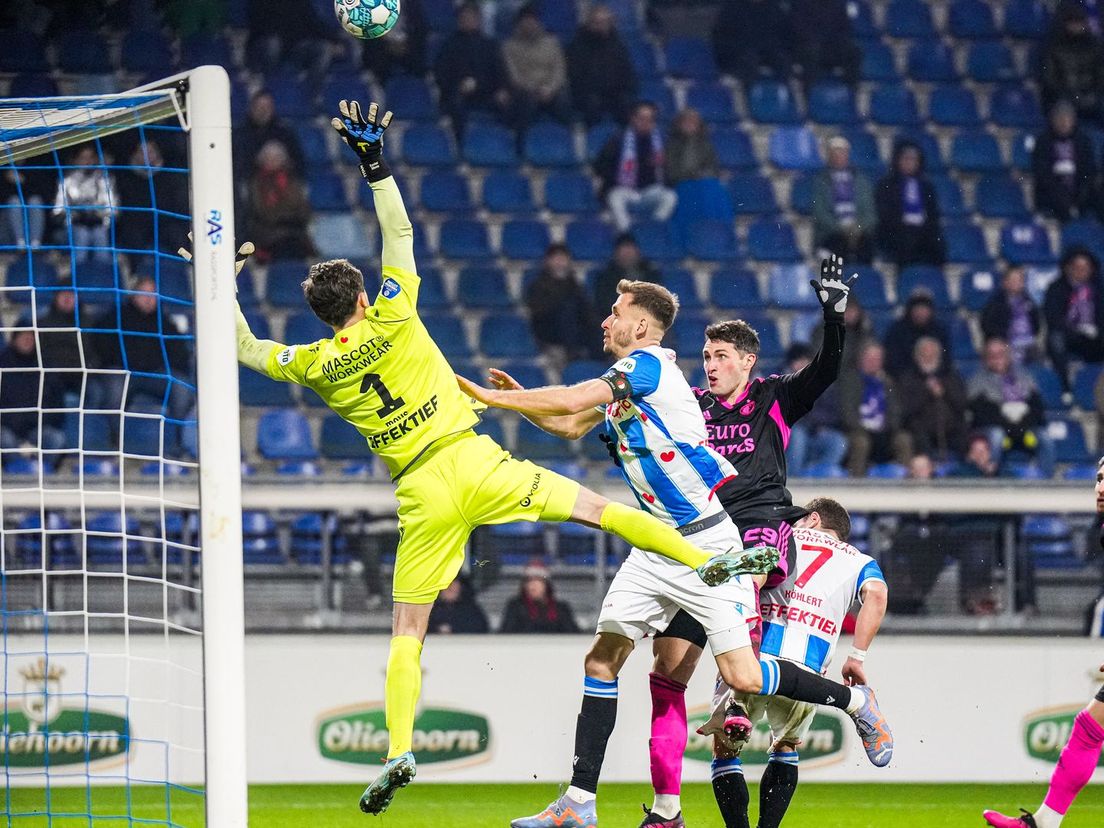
[486, 806]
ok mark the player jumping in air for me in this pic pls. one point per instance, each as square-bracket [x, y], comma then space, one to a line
[657, 432]
[802, 618]
[749, 423]
[1080, 755]
[383, 373]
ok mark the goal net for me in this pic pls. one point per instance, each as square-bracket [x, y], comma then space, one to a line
[120, 540]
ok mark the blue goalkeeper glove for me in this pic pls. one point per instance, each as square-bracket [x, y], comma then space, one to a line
[831, 290]
[365, 137]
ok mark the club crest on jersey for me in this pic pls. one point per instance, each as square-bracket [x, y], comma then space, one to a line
[390, 289]
[286, 356]
[747, 408]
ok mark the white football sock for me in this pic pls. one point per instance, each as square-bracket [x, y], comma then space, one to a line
[666, 805]
[858, 698]
[580, 796]
[1047, 817]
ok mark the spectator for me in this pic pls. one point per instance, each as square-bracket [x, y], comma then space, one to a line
[20, 402]
[627, 263]
[844, 218]
[405, 49]
[86, 197]
[824, 40]
[457, 611]
[145, 185]
[469, 71]
[262, 126]
[917, 321]
[535, 608]
[631, 166]
[817, 438]
[690, 152]
[33, 188]
[871, 412]
[603, 80]
[537, 71]
[933, 402]
[559, 309]
[978, 461]
[1073, 63]
[279, 211]
[1074, 310]
[909, 231]
[1005, 404]
[1012, 315]
[62, 346]
[1064, 166]
[753, 38]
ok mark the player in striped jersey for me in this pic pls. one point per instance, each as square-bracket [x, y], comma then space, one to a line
[802, 618]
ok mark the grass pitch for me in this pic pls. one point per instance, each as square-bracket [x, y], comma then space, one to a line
[492, 806]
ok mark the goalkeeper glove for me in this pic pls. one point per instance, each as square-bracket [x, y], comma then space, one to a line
[365, 137]
[244, 252]
[831, 290]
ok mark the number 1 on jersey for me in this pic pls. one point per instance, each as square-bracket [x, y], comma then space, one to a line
[813, 568]
[375, 383]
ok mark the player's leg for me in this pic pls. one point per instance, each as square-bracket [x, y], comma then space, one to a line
[790, 722]
[730, 789]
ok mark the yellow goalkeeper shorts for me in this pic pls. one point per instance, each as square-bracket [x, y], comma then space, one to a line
[472, 482]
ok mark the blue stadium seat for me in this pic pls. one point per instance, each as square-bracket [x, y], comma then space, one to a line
[661, 95]
[22, 51]
[110, 536]
[307, 539]
[597, 137]
[1026, 243]
[1084, 387]
[887, 471]
[688, 332]
[909, 19]
[681, 282]
[713, 102]
[1084, 472]
[327, 191]
[752, 194]
[412, 96]
[878, 63]
[976, 287]
[528, 373]
[28, 544]
[258, 323]
[772, 102]
[465, 239]
[976, 152]
[83, 52]
[770, 341]
[1012, 105]
[965, 243]
[550, 145]
[894, 105]
[824, 471]
[524, 239]
[972, 20]
[255, 389]
[770, 240]
[1069, 440]
[489, 145]
[832, 102]
[558, 18]
[790, 289]
[1087, 232]
[506, 335]
[483, 287]
[795, 148]
[801, 194]
[735, 288]
[426, 145]
[998, 196]
[589, 239]
[690, 57]
[963, 348]
[432, 294]
[929, 146]
[202, 49]
[734, 149]
[869, 288]
[507, 191]
[658, 241]
[146, 52]
[931, 61]
[492, 427]
[582, 370]
[642, 55]
[340, 236]
[570, 192]
[953, 106]
[304, 327]
[536, 444]
[991, 61]
[928, 278]
[1049, 539]
[712, 240]
[948, 192]
[445, 192]
[344, 84]
[312, 140]
[448, 332]
[1026, 19]
[865, 154]
[260, 542]
[282, 287]
[292, 96]
[862, 20]
[284, 434]
[1050, 387]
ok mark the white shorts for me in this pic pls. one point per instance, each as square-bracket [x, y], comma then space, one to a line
[649, 589]
[789, 720]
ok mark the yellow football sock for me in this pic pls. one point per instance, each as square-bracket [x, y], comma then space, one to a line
[404, 685]
[644, 531]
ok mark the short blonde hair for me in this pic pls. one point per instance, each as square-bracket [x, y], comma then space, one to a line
[659, 302]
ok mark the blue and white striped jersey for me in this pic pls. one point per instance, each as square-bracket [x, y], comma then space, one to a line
[660, 436]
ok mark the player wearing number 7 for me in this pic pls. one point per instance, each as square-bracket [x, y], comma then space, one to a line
[382, 372]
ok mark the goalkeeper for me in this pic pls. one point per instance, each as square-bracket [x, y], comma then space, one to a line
[383, 373]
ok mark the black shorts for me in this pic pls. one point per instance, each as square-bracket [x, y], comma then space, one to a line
[755, 532]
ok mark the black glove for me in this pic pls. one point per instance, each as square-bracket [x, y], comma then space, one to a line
[244, 252]
[611, 447]
[365, 137]
[831, 290]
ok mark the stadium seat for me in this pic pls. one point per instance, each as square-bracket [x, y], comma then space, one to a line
[340, 236]
[998, 196]
[345, 84]
[142, 432]
[109, 536]
[772, 102]
[506, 336]
[965, 243]
[894, 105]
[464, 239]
[824, 471]
[924, 277]
[948, 192]
[410, 95]
[976, 287]
[976, 152]
[869, 288]
[865, 154]
[255, 389]
[690, 58]
[589, 240]
[1026, 243]
[734, 149]
[790, 289]
[528, 373]
[327, 191]
[524, 239]
[991, 61]
[953, 106]
[832, 103]
[282, 286]
[550, 145]
[712, 101]
[929, 146]
[931, 61]
[570, 192]
[432, 294]
[735, 288]
[681, 282]
[1069, 440]
[536, 444]
[146, 51]
[292, 96]
[260, 542]
[658, 241]
[597, 137]
[801, 194]
[582, 370]
[752, 194]
[258, 323]
[425, 145]
[878, 63]
[1026, 19]
[22, 51]
[862, 20]
[687, 334]
[1050, 387]
[483, 287]
[660, 94]
[963, 347]
[28, 542]
[642, 54]
[307, 535]
[909, 19]
[284, 434]
[1012, 105]
[887, 471]
[32, 270]
[83, 52]
[794, 148]
[1022, 146]
[1087, 232]
[448, 332]
[202, 49]
[972, 20]
[1084, 387]
[769, 240]
[445, 192]
[770, 341]
[712, 240]
[507, 191]
[316, 152]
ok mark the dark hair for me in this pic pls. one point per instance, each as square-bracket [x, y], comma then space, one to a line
[331, 289]
[1075, 251]
[625, 238]
[737, 333]
[557, 247]
[832, 516]
[659, 302]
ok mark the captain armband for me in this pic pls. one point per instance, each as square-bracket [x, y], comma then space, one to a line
[619, 383]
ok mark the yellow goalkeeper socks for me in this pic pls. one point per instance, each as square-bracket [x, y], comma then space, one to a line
[647, 532]
[404, 685]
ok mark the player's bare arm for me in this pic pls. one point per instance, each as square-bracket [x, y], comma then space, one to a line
[875, 597]
[553, 401]
[567, 427]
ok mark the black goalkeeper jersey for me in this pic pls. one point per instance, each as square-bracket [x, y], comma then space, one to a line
[753, 431]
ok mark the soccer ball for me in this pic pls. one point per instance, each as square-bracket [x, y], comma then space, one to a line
[367, 19]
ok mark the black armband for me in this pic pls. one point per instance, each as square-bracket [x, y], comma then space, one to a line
[619, 383]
